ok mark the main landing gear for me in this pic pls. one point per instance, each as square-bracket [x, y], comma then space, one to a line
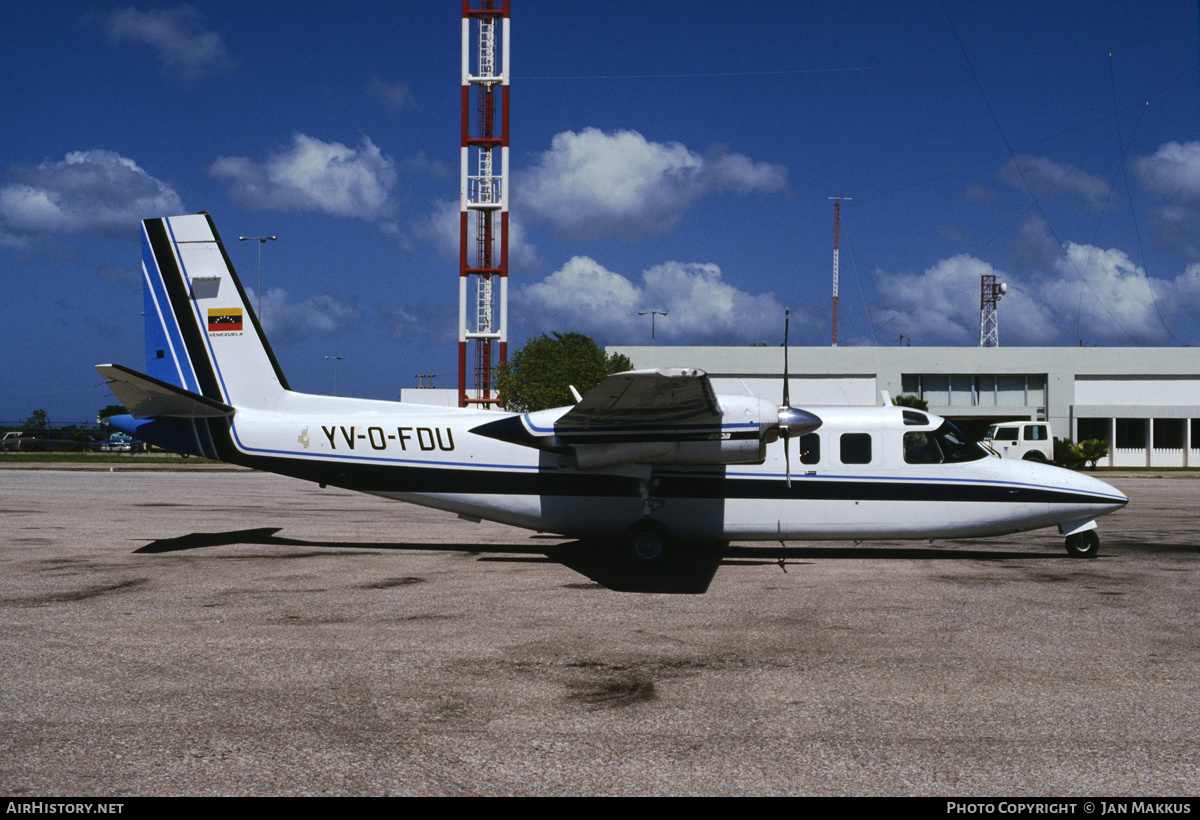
[1084, 544]
[648, 541]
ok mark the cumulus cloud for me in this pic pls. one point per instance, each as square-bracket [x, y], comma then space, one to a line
[395, 97]
[420, 163]
[1118, 303]
[1096, 295]
[941, 305]
[312, 175]
[88, 192]
[702, 308]
[1034, 247]
[1172, 171]
[286, 321]
[1045, 177]
[592, 184]
[185, 47]
[423, 323]
[1185, 291]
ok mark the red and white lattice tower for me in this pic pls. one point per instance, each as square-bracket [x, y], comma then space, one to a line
[483, 200]
[990, 292]
[837, 223]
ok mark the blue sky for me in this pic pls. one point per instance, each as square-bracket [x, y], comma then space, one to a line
[672, 156]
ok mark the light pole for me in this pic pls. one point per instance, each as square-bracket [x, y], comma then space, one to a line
[336, 359]
[262, 240]
[652, 314]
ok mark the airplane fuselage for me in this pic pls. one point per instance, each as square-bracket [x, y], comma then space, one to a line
[430, 456]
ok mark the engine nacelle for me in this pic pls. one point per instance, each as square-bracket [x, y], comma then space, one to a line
[746, 426]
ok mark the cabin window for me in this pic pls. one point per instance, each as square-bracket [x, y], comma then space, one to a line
[920, 448]
[1035, 432]
[1005, 434]
[810, 448]
[946, 444]
[856, 448]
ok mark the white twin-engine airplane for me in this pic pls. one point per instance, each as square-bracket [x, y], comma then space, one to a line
[651, 459]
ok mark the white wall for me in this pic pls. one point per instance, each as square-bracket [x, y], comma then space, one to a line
[1155, 390]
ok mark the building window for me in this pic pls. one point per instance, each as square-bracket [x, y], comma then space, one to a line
[962, 391]
[985, 391]
[936, 390]
[1168, 434]
[977, 391]
[1095, 428]
[1131, 434]
[1010, 391]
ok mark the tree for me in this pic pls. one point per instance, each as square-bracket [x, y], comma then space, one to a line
[1074, 456]
[110, 410]
[909, 400]
[38, 420]
[539, 374]
[1092, 450]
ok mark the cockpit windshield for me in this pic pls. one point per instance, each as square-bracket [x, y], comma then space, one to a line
[945, 445]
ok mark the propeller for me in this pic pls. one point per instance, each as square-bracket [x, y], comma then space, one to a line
[791, 419]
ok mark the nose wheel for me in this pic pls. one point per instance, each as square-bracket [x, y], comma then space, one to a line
[1084, 544]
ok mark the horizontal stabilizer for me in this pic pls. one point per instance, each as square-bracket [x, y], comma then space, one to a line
[145, 396]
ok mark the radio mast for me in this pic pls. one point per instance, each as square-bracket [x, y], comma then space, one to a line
[837, 221]
[483, 200]
[990, 292]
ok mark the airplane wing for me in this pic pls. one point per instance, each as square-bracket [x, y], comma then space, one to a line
[668, 416]
[641, 399]
[145, 395]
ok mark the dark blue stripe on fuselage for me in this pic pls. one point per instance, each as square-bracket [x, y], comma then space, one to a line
[701, 484]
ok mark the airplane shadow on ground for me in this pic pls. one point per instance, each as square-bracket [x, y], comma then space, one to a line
[688, 572]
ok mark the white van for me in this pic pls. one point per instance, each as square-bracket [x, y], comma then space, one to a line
[1030, 440]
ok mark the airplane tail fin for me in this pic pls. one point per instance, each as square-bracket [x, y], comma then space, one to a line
[202, 334]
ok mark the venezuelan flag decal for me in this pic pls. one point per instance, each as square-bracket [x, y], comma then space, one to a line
[224, 319]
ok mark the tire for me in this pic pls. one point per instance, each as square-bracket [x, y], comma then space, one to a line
[648, 541]
[1034, 456]
[1084, 544]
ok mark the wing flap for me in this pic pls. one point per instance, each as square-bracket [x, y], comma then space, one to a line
[145, 396]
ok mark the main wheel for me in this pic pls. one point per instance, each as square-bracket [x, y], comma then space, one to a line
[649, 540]
[1084, 544]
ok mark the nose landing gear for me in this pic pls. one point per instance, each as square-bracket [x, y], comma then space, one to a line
[1084, 544]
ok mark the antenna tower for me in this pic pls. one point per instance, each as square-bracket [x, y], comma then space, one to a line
[483, 199]
[990, 292]
[837, 222]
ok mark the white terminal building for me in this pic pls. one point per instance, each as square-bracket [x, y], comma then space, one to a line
[1144, 401]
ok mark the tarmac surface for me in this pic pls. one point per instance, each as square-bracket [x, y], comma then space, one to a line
[231, 633]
